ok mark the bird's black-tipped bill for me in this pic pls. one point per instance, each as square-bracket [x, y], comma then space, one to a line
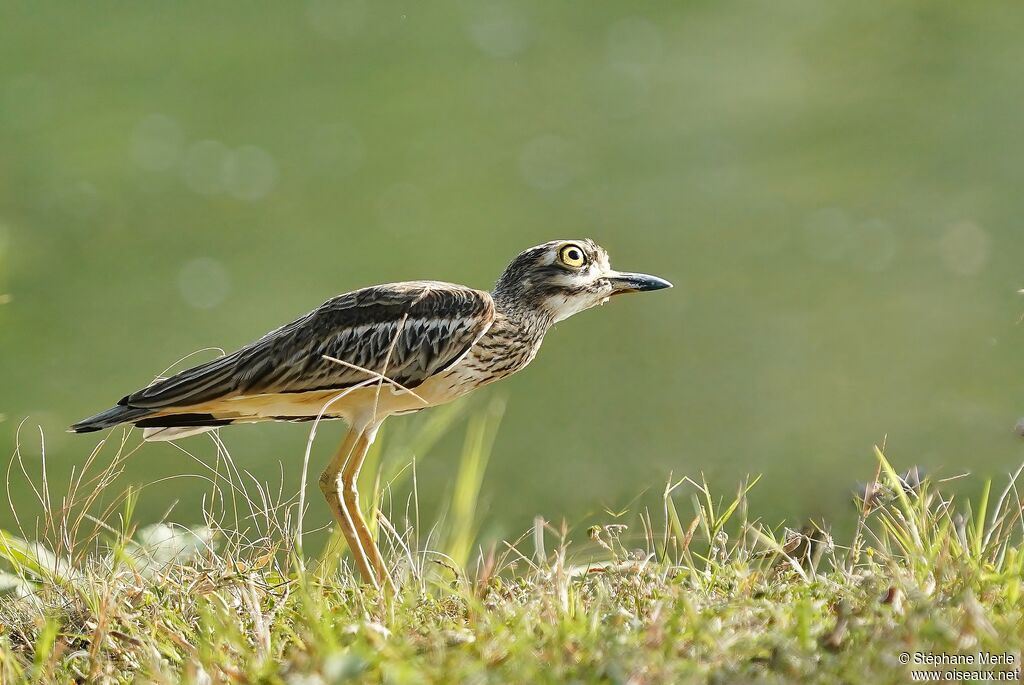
[637, 283]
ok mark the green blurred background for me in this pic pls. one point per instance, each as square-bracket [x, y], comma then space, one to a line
[834, 188]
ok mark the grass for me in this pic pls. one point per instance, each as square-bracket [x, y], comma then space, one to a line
[700, 591]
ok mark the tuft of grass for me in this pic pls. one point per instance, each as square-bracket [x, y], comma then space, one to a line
[704, 593]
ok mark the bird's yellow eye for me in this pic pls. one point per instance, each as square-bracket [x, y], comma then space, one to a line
[572, 255]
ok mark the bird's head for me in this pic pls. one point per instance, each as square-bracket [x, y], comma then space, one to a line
[563, 277]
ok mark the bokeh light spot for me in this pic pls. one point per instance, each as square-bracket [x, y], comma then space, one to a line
[965, 248]
[203, 283]
[249, 173]
[156, 142]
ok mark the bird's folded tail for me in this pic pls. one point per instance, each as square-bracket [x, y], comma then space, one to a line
[110, 418]
[156, 427]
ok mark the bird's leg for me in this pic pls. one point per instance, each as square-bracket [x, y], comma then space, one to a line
[350, 498]
[331, 484]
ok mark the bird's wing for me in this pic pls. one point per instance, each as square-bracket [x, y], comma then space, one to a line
[404, 331]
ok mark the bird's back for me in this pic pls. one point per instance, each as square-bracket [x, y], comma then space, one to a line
[404, 332]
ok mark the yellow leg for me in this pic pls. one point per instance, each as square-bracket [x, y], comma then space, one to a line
[331, 484]
[350, 499]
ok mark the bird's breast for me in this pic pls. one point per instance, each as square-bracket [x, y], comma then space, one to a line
[499, 353]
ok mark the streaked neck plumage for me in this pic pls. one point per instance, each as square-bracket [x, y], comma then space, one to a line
[515, 305]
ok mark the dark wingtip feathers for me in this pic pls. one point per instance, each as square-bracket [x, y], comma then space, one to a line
[109, 419]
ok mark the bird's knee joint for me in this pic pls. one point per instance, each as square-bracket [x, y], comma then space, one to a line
[328, 483]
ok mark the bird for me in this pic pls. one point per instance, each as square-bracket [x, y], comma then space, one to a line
[376, 352]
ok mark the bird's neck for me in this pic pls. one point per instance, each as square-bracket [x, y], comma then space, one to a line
[529, 320]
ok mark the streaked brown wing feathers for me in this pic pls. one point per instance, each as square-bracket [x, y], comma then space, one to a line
[419, 328]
